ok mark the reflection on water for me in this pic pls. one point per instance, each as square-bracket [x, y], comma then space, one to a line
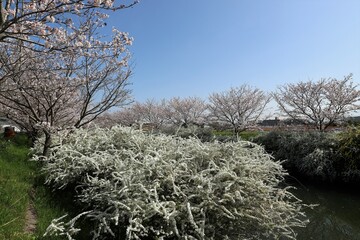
[337, 217]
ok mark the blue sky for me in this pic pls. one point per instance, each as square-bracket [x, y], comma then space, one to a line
[196, 47]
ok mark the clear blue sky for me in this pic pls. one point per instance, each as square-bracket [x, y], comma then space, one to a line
[196, 47]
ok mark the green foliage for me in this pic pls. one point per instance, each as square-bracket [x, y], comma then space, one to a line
[51, 204]
[248, 135]
[134, 185]
[349, 150]
[204, 134]
[311, 154]
[16, 177]
[21, 140]
[20, 184]
[228, 135]
[318, 155]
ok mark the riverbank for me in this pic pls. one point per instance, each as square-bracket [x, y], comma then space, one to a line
[327, 157]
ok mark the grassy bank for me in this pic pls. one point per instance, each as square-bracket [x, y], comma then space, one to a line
[16, 180]
[244, 135]
[21, 185]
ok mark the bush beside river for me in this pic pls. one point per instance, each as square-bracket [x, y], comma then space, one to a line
[320, 156]
[134, 185]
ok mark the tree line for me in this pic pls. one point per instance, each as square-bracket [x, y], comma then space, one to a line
[57, 71]
[319, 104]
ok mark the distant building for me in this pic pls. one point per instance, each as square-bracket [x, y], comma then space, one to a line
[283, 124]
[270, 122]
[5, 122]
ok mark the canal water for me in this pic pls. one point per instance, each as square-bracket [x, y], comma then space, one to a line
[337, 216]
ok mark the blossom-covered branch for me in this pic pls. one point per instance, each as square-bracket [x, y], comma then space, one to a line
[50, 24]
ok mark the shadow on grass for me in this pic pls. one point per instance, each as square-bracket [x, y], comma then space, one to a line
[51, 204]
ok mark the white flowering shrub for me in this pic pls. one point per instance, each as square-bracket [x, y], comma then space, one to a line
[134, 185]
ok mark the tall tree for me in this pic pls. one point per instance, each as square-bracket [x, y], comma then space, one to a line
[184, 111]
[50, 90]
[320, 103]
[150, 111]
[124, 117]
[238, 107]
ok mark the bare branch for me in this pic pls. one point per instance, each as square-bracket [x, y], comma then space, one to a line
[239, 107]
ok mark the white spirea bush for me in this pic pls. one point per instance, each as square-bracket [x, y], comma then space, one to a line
[141, 186]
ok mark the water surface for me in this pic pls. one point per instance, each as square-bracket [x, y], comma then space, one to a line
[336, 218]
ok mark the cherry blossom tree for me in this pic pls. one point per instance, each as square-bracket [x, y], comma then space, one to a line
[150, 111]
[319, 104]
[185, 111]
[238, 107]
[51, 90]
[34, 94]
[124, 117]
[51, 24]
[102, 73]
[135, 114]
[105, 120]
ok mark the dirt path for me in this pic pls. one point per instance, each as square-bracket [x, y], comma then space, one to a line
[30, 217]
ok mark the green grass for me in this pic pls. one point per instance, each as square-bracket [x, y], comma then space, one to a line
[248, 135]
[245, 135]
[18, 178]
[48, 205]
